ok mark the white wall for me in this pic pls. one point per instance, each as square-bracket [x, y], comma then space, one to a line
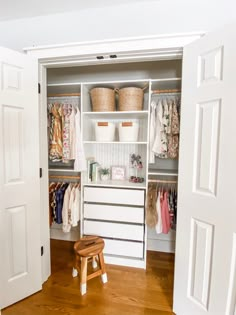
[139, 19]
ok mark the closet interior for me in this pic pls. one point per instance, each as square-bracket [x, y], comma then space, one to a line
[116, 208]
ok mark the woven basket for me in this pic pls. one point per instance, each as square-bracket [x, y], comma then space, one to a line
[130, 98]
[103, 99]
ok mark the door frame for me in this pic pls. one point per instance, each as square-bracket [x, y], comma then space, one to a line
[136, 49]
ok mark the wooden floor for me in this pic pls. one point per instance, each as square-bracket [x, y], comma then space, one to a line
[128, 291]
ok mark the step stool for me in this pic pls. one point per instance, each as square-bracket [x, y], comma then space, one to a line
[89, 248]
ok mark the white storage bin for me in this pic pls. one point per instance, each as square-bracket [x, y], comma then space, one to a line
[104, 131]
[128, 131]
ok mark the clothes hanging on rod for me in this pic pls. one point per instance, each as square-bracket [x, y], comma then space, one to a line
[166, 91]
[63, 95]
[161, 206]
[164, 126]
[64, 204]
[65, 142]
[63, 177]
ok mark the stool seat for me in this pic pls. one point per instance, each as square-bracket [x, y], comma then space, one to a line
[86, 249]
[89, 246]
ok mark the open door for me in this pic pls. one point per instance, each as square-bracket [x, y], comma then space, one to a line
[20, 258]
[205, 268]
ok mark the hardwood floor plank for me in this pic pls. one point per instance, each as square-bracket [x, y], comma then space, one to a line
[128, 291]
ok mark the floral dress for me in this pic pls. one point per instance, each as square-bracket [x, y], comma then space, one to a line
[160, 143]
[66, 109]
[173, 137]
[55, 153]
[152, 131]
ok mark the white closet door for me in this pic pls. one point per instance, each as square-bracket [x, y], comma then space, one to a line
[20, 259]
[205, 276]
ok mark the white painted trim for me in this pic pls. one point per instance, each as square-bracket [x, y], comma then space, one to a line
[44, 211]
[129, 49]
[122, 39]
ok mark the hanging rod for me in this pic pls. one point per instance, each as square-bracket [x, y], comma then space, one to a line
[64, 177]
[162, 181]
[64, 94]
[166, 91]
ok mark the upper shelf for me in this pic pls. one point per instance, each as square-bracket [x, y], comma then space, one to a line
[63, 88]
[166, 84]
[75, 87]
[118, 84]
[117, 114]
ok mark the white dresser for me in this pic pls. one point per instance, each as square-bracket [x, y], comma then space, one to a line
[118, 216]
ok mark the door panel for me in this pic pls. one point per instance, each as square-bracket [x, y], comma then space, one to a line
[205, 245]
[19, 180]
[206, 146]
[12, 143]
[200, 262]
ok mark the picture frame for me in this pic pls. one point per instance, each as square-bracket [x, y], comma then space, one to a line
[118, 172]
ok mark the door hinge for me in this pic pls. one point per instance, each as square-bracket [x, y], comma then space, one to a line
[39, 88]
[40, 172]
[42, 251]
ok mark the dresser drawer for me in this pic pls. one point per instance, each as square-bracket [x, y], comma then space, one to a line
[114, 230]
[113, 213]
[123, 248]
[114, 195]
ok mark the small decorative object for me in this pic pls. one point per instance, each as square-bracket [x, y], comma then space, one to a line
[136, 163]
[105, 172]
[135, 179]
[118, 172]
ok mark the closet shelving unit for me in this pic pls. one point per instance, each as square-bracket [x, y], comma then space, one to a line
[115, 209]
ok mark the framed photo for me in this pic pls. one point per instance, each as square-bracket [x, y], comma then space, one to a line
[118, 172]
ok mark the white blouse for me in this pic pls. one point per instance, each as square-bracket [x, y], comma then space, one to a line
[152, 131]
[80, 161]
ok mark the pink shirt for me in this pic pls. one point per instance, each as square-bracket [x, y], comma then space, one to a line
[165, 215]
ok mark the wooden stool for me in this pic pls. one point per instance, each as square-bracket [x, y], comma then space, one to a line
[87, 248]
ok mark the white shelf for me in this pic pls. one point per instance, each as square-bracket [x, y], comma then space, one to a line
[115, 142]
[119, 83]
[62, 170]
[61, 88]
[163, 172]
[117, 115]
[117, 183]
[170, 83]
[64, 84]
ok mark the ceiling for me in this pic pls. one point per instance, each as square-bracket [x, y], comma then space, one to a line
[15, 9]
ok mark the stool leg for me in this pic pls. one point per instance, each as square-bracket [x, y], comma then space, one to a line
[74, 272]
[94, 262]
[75, 268]
[83, 276]
[102, 264]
